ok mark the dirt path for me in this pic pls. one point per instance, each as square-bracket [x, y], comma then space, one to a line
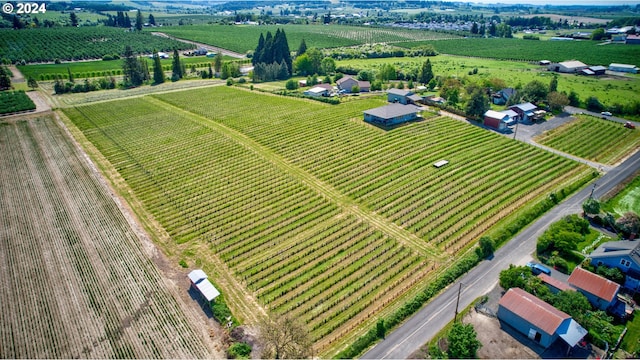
[217, 50]
[17, 75]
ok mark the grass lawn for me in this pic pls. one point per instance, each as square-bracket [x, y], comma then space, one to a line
[609, 90]
[626, 200]
[594, 139]
[631, 342]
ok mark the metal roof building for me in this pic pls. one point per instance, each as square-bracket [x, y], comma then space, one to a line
[199, 280]
[538, 320]
[600, 292]
[392, 114]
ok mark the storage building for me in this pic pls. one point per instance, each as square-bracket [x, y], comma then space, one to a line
[392, 114]
[600, 292]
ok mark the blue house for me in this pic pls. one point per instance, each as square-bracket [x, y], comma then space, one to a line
[392, 114]
[503, 96]
[538, 320]
[624, 255]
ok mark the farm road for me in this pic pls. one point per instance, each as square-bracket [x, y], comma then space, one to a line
[424, 325]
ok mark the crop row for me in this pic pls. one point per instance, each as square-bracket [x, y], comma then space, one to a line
[391, 172]
[593, 139]
[14, 101]
[203, 186]
[75, 280]
[70, 43]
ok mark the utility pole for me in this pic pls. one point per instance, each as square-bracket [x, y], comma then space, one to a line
[516, 131]
[455, 317]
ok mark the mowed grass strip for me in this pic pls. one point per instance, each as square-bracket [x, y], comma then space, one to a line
[206, 188]
[594, 139]
[391, 173]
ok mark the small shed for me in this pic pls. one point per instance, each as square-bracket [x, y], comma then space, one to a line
[553, 284]
[392, 114]
[538, 320]
[441, 163]
[200, 282]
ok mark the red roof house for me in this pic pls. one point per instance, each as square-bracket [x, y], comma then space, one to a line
[600, 292]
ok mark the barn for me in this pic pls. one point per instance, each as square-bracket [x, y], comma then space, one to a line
[200, 282]
[572, 66]
[346, 83]
[392, 114]
[601, 293]
[623, 68]
[497, 120]
[317, 91]
[538, 320]
[526, 111]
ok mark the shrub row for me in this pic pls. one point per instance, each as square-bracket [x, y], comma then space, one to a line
[14, 101]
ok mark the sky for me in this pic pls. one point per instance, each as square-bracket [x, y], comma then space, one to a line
[561, 2]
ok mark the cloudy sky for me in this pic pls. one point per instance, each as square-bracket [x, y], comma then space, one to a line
[561, 2]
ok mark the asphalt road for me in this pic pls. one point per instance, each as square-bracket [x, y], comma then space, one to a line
[424, 325]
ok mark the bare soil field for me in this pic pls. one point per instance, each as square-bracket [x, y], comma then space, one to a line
[75, 280]
[571, 19]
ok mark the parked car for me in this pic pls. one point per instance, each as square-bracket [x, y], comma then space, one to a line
[605, 113]
[629, 125]
[538, 268]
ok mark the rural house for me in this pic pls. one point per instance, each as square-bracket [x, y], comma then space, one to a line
[624, 255]
[600, 292]
[538, 320]
[497, 120]
[526, 112]
[392, 114]
[632, 39]
[346, 83]
[502, 97]
[200, 282]
[568, 66]
[403, 96]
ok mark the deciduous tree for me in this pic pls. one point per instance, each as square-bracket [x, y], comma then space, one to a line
[463, 342]
[284, 337]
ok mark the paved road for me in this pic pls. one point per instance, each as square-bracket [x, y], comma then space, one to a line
[424, 325]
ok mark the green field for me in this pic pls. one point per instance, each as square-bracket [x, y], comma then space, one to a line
[594, 139]
[68, 43]
[14, 101]
[82, 69]
[587, 51]
[608, 90]
[296, 202]
[242, 38]
[626, 200]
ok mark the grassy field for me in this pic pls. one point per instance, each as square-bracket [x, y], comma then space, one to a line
[599, 140]
[587, 51]
[99, 68]
[296, 203]
[609, 90]
[626, 200]
[75, 279]
[242, 38]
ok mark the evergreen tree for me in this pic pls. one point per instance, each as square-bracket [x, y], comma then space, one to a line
[286, 53]
[267, 53]
[70, 74]
[478, 104]
[152, 20]
[133, 74]
[158, 74]
[257, 54]
[553, 85]
[302, 48]
[474, 28]
[210, 75]
[127, 21]
[139, 21]
[73, 18]
[120, 22]
[426, 73]
[176, 67]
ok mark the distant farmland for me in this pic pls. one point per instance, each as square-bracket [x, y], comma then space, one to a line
[318, 214]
